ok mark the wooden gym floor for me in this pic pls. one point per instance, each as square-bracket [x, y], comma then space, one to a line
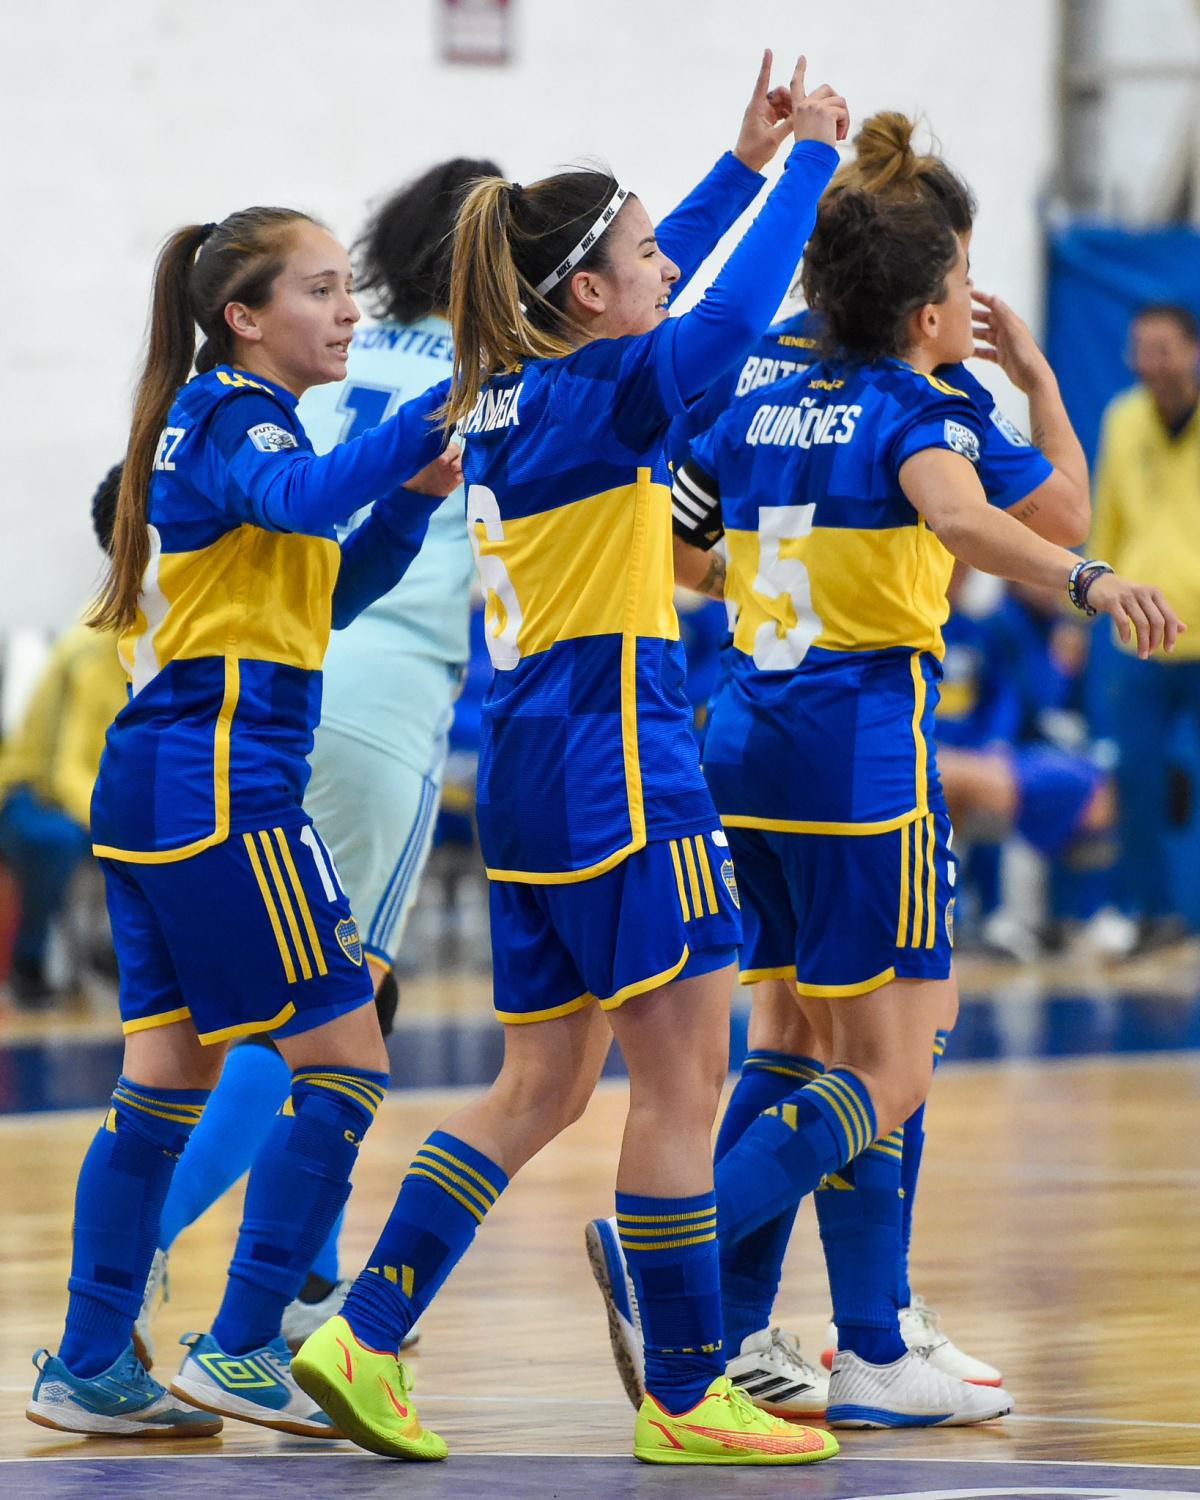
[1058, 1231]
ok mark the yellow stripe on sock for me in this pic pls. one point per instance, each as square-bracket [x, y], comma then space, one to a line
[849, 1129]
[806, 1074]
[699, 1239]
[650, 1232]
[285, 902]
[491, 1191]
[856, 1105]
[419, 1171]
[370, 1093]
[289, 968]
[694, 1213]
[902, 921]
[674, 847]
[350, 1090]
[791, 1116]
[838, 1184]
[689, 859]
[432, 1165]
[710, 890]
[931, 894]
[306, 916]
[406, 1280]
[884, 1149]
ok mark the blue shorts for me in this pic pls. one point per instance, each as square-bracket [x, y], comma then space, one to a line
[844, 914]
[668, 912]
[254, 934]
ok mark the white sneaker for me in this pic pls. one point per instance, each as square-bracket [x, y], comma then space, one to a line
[303, 1318]
[775, 1375]
[255, 1387]
[158, 1291]
[620, 1304]
[921, 1330]
[907, 1393]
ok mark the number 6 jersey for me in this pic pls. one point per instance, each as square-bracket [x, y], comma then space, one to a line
[838, 592]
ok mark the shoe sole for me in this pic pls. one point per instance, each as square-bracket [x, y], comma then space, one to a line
[880, 1417]
[331, 1399]
[116, 1427]
[657, 1456]
[295, 1425]
[991, 1385]
[627, 1367]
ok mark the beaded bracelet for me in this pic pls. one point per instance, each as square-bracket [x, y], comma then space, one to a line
[1083, 575]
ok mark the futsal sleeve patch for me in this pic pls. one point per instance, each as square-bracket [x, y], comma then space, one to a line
[1010, 431]
[269, 438]
[696, 507]
[962, 440]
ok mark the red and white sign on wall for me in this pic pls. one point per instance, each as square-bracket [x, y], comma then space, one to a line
[477, 31]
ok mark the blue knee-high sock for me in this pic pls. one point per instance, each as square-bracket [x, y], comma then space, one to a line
[910, 1167]
[443, 1199]
[298, 1185]
[118, 1201]
[236, 1122]
[326, 1264]
[859, 1213]
[671, 1250]
[751, 1268]
[789, 1148]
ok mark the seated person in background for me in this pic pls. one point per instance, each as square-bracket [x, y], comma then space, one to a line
[1013, 752]
[47, 770]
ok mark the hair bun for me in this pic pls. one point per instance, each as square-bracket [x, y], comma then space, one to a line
[883, 148]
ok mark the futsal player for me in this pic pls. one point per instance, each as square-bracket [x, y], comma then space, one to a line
[789, 1033]
[389, 684]
[226, 912]
[607, 865]
[843, 492]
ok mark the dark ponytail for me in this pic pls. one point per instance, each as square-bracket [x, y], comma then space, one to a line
[238, 261]
[871, 262]
[402, 257]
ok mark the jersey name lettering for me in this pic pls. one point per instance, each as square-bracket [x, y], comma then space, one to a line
[805, 425]
[495, 409]
[762, 370]
[164, 454]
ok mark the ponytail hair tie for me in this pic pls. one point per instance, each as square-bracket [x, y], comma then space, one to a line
[207, 229]
[516, 191]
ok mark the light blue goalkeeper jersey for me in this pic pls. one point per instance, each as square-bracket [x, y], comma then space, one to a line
[366, 693]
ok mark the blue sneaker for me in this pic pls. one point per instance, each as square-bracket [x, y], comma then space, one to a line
[620, 1303]
[122, 1401]
[255, 1387]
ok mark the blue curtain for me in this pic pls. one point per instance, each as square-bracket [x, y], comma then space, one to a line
[1098, 278]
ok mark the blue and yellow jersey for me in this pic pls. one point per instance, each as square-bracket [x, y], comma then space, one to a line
[1010, 467]
[588, 748]
[245, 578]
[838, 589]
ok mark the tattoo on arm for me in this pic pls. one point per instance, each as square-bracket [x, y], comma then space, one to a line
[1039, 434]
[1027, 511]
[713, 582]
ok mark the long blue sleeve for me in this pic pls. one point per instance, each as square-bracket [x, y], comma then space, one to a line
[744, 298]
[690, 234]
[377, 554]
[286, 488]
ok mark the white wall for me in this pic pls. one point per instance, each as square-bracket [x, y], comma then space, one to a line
[123, 119]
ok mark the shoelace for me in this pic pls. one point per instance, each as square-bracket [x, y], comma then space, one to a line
[789, 1346]
[745, 1412]
[929, 1325]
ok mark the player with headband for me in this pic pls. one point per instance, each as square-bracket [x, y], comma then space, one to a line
[612, 894]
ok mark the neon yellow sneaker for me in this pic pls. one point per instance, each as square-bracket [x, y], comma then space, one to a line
[724, 1428]
[365, 1392]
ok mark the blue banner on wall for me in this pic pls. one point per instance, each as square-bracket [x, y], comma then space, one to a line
[1098, 278]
